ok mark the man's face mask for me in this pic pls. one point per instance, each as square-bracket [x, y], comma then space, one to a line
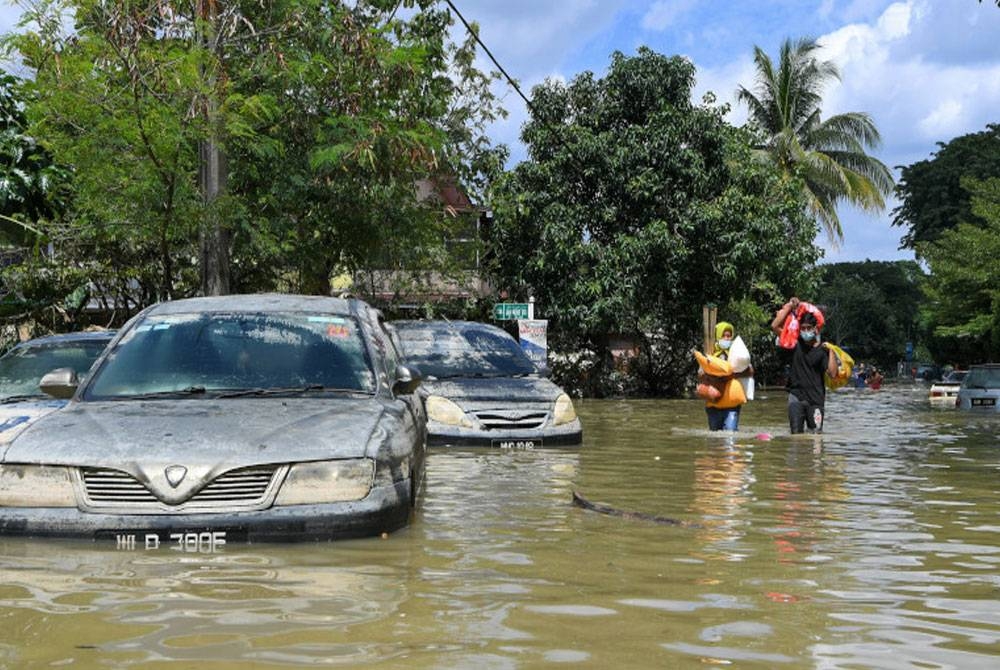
[808, 333]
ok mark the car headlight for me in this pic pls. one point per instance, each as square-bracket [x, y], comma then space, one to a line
[35, 486]
[447, 412]
[564, 412]
[327, 482]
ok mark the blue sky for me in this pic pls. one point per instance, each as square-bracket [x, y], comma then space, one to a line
[926, 70]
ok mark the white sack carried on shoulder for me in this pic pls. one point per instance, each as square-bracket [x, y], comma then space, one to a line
[739, 355]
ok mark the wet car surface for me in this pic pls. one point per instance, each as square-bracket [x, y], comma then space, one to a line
[944, 392]
[479, 388]
[980, 390]
[217, 420]
[22, 368]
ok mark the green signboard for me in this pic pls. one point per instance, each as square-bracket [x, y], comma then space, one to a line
[506, 311]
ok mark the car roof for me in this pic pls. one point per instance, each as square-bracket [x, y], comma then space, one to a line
[69, 338]
[260, 302]
[984, 366]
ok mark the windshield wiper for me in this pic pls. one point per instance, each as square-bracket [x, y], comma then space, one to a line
[469, 375]
[286, 390]
[190, 390]
[22, 398]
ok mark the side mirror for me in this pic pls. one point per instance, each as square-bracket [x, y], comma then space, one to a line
[60, 383]
[408, 378]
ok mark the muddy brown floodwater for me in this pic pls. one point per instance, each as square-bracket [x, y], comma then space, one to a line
[875, 545]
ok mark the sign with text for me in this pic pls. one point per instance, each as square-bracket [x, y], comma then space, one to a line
[507, 311]
[533, 337]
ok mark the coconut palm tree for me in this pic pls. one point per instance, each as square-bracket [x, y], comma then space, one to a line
[829, 156]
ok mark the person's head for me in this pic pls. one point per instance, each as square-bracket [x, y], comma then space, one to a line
[724, 333]
[808, 329]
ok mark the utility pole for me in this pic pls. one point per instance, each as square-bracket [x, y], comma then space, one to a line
[212, 169]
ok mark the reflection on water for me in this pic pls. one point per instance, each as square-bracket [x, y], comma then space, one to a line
[873, 545]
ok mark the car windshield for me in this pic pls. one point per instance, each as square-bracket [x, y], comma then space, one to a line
[955, 376]
[212, 354]
[22, 368]
[988, 378]
[463, 351]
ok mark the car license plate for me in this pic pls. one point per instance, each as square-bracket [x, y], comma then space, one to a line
[192, 541]
[984, 402]
[517, 444]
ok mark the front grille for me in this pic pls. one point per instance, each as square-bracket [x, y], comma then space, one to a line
[243, 487]
[511, 421]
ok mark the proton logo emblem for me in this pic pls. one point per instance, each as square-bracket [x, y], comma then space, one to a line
[175, 474]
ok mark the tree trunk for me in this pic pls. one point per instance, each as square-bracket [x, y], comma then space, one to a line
[215, 237]
[212, 176]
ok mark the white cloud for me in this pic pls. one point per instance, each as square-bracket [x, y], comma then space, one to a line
[944, 120]
[723, 81]
[662, 14]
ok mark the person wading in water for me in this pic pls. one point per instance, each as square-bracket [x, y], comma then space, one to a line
[810, 360]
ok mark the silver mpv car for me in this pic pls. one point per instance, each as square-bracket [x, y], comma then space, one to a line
[211, 421]
[480, 388]
[980, 390]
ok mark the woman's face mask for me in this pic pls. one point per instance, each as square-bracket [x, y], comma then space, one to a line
[725, 344]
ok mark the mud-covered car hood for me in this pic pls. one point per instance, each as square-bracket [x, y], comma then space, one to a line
[516, 389]
[200, 434]
[15, 417]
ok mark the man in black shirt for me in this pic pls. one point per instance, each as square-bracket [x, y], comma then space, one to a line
[810, 359]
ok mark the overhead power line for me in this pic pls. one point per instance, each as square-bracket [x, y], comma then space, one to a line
[486, 49]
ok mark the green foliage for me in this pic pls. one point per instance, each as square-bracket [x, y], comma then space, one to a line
[963, 292]
[636, 207]
[828, 156]
[872, 308]
[932, 197]
[32, 187]
[326, 113]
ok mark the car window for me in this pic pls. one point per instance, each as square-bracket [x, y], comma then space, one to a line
[22, 368]
[463, 352]
[235, 351]
[391, 355]
[983, 378]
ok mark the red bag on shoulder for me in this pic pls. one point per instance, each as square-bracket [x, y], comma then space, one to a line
[790, 330]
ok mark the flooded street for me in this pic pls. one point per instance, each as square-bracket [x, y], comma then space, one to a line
[875, 545]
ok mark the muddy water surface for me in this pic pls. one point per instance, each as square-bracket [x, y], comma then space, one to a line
[876, 545]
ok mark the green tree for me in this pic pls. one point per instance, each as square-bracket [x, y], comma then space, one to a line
[872, 308]
[829, 156]
[635, 208]
[33, 188]
[930, 192]
[962, 291]
[324, 115]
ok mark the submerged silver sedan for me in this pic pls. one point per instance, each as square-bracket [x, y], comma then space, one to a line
[211, 421]
[480, 388]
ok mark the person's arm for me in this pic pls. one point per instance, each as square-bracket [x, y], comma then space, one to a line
[779, 318]
[831, 363]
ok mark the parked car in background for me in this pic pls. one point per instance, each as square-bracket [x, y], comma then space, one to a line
[22, 368]
[945, 391]
[479, 388]
[927, 372]
[980, 390]
[220, 420]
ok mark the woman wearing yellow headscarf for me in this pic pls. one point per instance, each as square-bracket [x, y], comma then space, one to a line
[724, 413]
